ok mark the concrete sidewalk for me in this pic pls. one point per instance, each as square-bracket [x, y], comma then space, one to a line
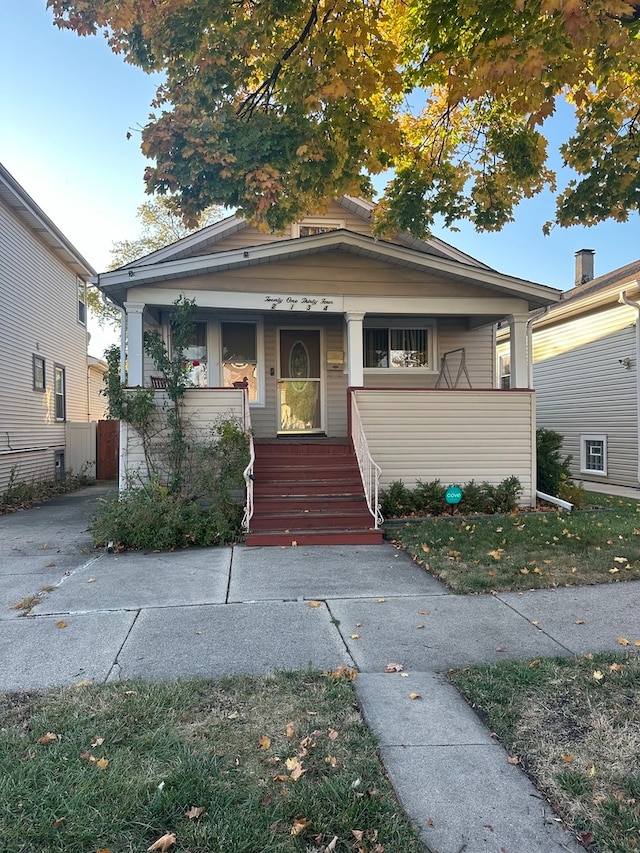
[210, 612]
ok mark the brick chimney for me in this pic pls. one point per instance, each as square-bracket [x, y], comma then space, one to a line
[584, 265]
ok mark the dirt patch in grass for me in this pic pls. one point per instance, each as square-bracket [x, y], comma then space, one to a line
[243, 764]
[574, 726]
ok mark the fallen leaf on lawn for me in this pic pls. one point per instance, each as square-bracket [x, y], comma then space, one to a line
[331, 846]
[613, 571]
[586, 837]
[598, 675]
[393, 667]
[264, 742]
[615, 667]
[496, 554]
[622, 641]
[84, 683]
[513, 759]
[331, 760]
[291, 732]
[568, 759]
[314, 604]
[357, 834]
[415, 696]
[50, 737]
[537, 571]
[58, 822]
[491, 573]
[333, 734]
[97, 741]
[425, 548]
[592, 770]
[194, 812]
[524, 571]
[499, 529]
[103, 850]
[620, 560]
[61, 624]
[164, 843]
[102, 763]
[299, 825]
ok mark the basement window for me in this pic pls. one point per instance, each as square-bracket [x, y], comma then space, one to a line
[593, 454]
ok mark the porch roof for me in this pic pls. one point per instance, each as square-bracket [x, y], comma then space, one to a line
[116, 284]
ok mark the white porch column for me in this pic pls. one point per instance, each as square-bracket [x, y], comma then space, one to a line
[355, 349]
[135, 349]
[519, 351]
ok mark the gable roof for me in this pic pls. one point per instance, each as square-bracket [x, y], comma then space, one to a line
[36, 219]
[597, 293]
[205, 240]
[115, 284]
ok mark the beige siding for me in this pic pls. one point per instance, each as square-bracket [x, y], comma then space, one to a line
[80, 457]
[97, 400]
[203, 408]
[583, 389]
[453, 436]
[38, 315]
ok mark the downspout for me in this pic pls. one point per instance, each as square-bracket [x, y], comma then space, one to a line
[623, 298]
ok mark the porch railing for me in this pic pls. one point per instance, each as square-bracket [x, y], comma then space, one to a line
[248, 471]
[369, 470]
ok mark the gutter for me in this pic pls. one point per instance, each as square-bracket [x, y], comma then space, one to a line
[624, 299]
[549, 499]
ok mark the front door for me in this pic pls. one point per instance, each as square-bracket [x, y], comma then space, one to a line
[300, 391]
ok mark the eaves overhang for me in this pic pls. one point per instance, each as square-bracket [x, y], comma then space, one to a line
[37, 221]
[115, 284]
[580, 305]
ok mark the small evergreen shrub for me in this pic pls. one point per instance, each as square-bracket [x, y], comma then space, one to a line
[429, 497]
[396, 501]
[552, 469]
[399, 501]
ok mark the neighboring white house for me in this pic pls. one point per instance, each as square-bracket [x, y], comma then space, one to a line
[334, 328]
[586, 372]
[46, 386]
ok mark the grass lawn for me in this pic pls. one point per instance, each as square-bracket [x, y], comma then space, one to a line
[574, 726]
[529, 550]
[243, 764]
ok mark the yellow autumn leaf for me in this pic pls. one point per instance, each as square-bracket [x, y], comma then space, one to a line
[264, 742]
[620, 560]
[299, 825]
[49, 737]
[194, 812]
[381, 600]
[163, 843]
[61, 624]
[102, 763]
[314, 604]
[597, 674]
[568, 759]
[425, 547]
[622, 641]
[355, 636]
[415, 696]
[496, 554]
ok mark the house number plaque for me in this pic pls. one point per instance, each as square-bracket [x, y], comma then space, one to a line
[300, 303]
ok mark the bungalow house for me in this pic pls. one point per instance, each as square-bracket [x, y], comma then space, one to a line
[586, 372]
[47, 387]
[366, 358]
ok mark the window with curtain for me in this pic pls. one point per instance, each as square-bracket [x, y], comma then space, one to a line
[396, 348]
[240, 355]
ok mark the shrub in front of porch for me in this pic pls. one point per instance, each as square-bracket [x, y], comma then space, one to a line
[428, 499]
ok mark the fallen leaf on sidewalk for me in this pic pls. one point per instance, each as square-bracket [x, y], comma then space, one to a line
[415, 696]
[61, 624]
[393, 667]
[513, 759]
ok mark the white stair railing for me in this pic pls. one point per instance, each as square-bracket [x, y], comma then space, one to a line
[369, 470]
[248, 471]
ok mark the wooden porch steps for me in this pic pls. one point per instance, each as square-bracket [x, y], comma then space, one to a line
[309, 492]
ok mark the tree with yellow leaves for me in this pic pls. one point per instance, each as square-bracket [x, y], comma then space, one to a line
[275, 107]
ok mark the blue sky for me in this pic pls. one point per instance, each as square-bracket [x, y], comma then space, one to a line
[67, 104]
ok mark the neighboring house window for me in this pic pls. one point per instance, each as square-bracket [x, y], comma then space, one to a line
[39, 376]
[593, 454]
[504, 368]
[240, 355]
[82, 301]
[316, 226]
[397, 348]
[59, 391]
